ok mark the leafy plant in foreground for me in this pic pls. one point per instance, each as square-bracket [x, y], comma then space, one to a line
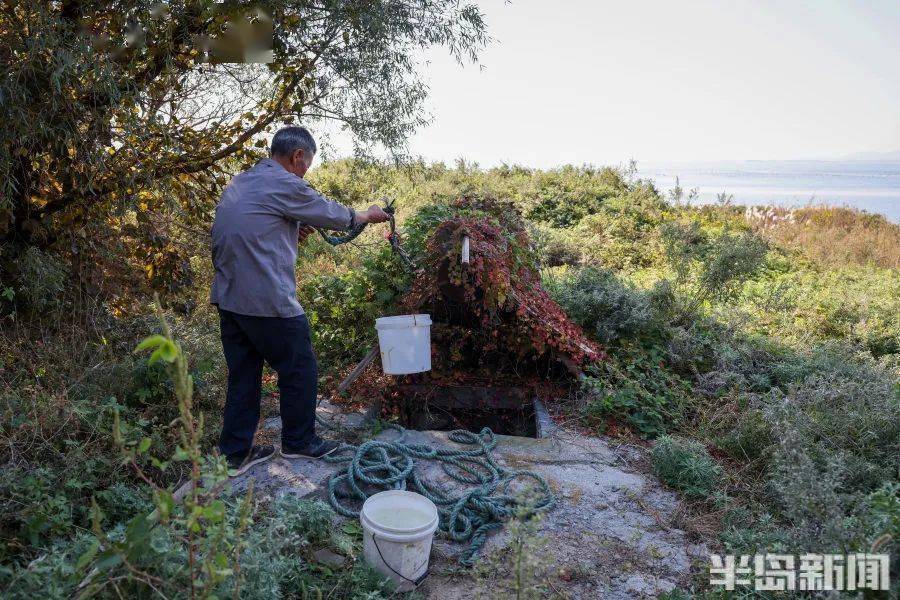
[602, 304]
[130, 560]
[634, 386]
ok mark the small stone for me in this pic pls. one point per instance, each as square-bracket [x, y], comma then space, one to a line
[328, 558]
[664, 586]
[637, 584]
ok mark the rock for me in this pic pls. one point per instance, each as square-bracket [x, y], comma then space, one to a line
[326, 557]
[641, 585]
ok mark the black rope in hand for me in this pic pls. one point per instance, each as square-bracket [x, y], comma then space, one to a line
[337, 240]
[393, 237]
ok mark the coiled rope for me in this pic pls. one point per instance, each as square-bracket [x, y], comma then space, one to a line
[469, 516]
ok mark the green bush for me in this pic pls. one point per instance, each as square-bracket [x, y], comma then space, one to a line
[205, 545]
[751, 438]
[686, 466]
[275, 560]
[829, 442]
[722, 360]
[557, 247]
[39, 282]
[52, 575]
[837, 442]
[564, 196]
[707, 268]
[46, 488]
[602, 304]
[342, 304]
[884, 510]
[624, 234]
[634, 386]
[276, 563]
[850, 413]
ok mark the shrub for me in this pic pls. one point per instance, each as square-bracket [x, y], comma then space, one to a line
[562, 197]
[634, 386]
[557, 247]
[884, 510]
[40, 278]
[731, 260]
[624, 234]
[706, 268]
[685, 465]
[721, 359]
[602, 304]
[829, 442]
[52, 575]
[850, 412]
[336, 306]
[275, 561]
[203, 545]
[342, 304]
[751, 438]
[837, 442]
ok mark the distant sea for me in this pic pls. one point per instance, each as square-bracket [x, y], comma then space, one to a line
[873, 186]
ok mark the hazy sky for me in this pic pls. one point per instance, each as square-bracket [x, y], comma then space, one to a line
[597, 81]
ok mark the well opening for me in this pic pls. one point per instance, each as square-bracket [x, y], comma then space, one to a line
[507, 410]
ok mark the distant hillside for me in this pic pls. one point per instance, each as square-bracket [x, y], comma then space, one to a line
[875, 156]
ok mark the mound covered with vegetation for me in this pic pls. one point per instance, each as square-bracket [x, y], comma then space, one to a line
[493, 312]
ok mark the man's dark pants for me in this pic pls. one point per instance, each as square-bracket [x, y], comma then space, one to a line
[285, 344]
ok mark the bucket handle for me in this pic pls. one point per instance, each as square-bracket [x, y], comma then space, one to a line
[415, 582]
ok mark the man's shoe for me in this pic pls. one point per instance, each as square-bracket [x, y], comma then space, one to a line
[239, 464]
[315, 449]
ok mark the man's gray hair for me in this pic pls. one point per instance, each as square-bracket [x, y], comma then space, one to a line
[289, 139]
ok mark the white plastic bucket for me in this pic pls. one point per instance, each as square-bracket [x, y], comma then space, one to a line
[405, 344]
[398, 528]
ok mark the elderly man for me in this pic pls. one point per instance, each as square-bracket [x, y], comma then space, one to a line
[262, 216]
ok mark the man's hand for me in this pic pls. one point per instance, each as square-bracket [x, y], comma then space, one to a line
[374, 214]
[303, 232]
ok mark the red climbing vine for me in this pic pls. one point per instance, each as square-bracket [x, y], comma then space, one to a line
[492, 310]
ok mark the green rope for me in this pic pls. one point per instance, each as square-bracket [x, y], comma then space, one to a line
[467, 517]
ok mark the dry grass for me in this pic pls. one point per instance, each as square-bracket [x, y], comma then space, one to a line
[832, 236]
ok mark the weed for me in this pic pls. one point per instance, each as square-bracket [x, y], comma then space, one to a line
[634, 386]
[685, 465]
[519, 570]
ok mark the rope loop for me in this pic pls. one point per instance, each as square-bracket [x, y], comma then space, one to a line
[487, 500]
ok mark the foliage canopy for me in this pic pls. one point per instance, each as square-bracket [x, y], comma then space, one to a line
[115, 118]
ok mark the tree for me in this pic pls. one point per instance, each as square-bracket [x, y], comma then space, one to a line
[120, 126]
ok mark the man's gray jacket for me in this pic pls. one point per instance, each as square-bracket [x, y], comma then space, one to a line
[254, 239]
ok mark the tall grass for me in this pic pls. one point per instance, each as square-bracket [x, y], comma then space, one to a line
[832, 236]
